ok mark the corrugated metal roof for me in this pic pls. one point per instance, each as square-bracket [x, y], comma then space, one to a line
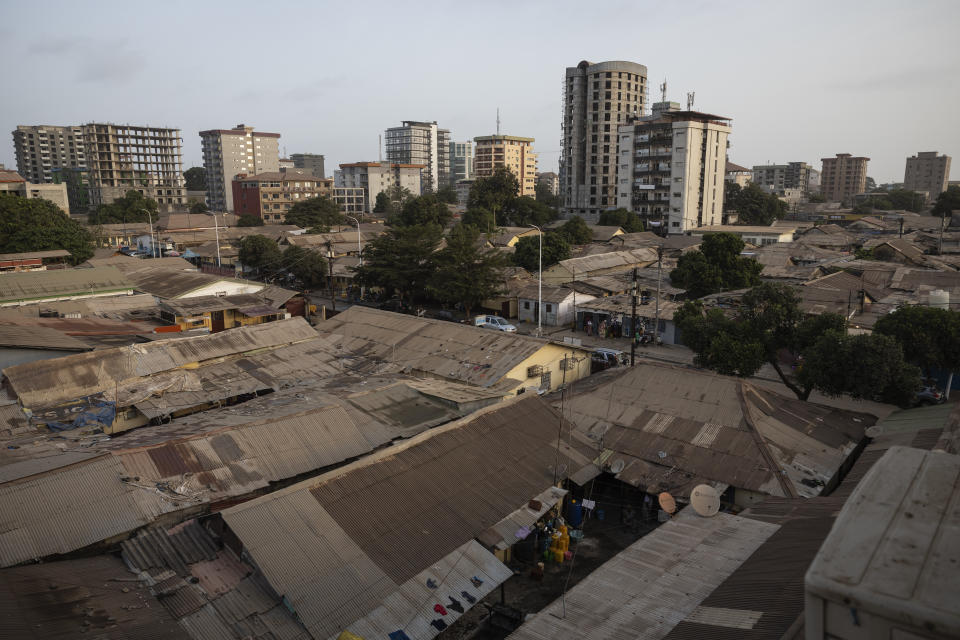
[643, 591]
[36, 285]
[610, 260]
[173, 283]
[337, 545]
[87, 597]
[56, 253]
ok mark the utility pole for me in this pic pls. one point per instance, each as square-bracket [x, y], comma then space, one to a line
[656, 328]
[633, 320]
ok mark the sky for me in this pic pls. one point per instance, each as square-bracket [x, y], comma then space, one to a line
[800, 80]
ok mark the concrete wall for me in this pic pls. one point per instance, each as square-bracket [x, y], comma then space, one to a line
[549, 358]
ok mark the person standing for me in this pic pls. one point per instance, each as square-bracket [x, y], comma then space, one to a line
[589, 327]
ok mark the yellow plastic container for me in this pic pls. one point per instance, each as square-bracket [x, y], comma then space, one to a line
[558, 556]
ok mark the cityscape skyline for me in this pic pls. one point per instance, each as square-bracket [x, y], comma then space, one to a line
[852, 89]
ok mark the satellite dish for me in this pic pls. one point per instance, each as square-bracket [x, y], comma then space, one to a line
[617, 466]
[705, 500]
[667, 503]
[874, 431]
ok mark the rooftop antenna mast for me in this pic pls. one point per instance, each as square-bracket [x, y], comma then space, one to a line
[690, 95]
[663, 90]
[498, 121]
[380, 149]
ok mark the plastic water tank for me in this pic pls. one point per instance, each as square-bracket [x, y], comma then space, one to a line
[940, 299]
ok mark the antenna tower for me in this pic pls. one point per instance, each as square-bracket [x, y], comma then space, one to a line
[498, 121]
[690, 95]
[663, 90]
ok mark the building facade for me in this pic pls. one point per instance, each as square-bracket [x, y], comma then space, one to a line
[377, 177]
[740, 176]
[778, 178]
[421, 143]
[927, 172]
[269, 196]
[514, 153]
[231, 152]
[13, 183]
[597, 99]
[122, 158]
[50, 154]
[461, 161]
[672, 167]
[843, 177]
[550, 180]
[312, 163]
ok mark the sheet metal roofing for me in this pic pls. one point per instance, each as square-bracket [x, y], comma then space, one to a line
[172, 283]
[643, 591]
[128, 263]
[445, 349]
[33, 255]
[39, 338]
[50, 382]
[25, 286]
[715, 427]
[609, 261]
[339, 545]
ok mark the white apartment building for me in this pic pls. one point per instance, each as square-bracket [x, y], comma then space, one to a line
[421, 143]
[376, 177]
[230, 152]
[672, 166]
[461, 161]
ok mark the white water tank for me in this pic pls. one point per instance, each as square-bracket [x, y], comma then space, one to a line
[940, 299]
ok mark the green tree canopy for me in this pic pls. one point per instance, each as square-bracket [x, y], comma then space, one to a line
[575, 231]
[132, 207]
[467, 272]
[947, 201]
[306, 265]
[769, 324]
[494, 192]
[28, 224]
[196, 179]
[525, 211]
[626, 220]
[545, 196]
[382, 203]
[425, 209]
[447, 194]
[752, 204]
[198, 206]
[479, 218]
[260, 253]
[930, 337]
[716, 266]
[315, 214]
[526, 255]
[249, 220]
[401, 260]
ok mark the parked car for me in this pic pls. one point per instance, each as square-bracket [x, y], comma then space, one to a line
[928, 394]
[494, 322]
[602, 359]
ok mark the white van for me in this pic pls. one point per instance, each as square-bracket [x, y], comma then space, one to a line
[494, 322]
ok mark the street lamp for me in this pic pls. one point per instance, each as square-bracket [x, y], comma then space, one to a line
[539, 282]
[359, 249]
[153, 244]
[333, 297]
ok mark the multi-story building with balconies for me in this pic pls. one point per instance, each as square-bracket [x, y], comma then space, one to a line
[672, 166]
[230, 152]
[51, 154]
[778, 178]
[270, 195]
[461, 161]
[843, 177]
[927, 173]
[377, 177]
[514, 153]
[597, 99]
[421, 143]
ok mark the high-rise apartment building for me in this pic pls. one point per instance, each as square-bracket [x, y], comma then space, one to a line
[672, 166]
[421, 143]
[843, 177]
[310, 162]
[376, 177]
[514, 153]
[550, 180]
[461, 161]
[778, 178]
[122, 157]
[927, 172]
[270, 195]
[597, 99]
[230, 152]
[42, 149]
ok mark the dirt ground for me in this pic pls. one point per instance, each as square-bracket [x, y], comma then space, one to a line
[602, 540]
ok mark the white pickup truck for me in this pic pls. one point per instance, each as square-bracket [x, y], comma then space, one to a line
[494, 322]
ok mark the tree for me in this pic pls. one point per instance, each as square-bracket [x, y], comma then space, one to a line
[249, 220]
[494, 192]
[196, 179]
[306, 265]
[626, 220]
[401, 260]
[576, 231]
[382, 203]
[447, 194]
[259, 253]
[770, 323]
[396, 198]
[479, 218]
[526, 254]
[28, 224]
[198, 206]
[752, 204]
[930, 337]
[947, 202]
[132, 207]
[716, 266]
[315, 214]
[545, 196]
[425, 209]
[871, 184]
[816, 197]
[525, 211]
[467, 272]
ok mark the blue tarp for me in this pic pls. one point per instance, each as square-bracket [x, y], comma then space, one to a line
[97, 413]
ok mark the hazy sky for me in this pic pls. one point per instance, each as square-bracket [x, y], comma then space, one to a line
[801, 80]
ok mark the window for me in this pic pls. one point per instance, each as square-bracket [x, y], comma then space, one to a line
[549, 307]
[526, 305]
